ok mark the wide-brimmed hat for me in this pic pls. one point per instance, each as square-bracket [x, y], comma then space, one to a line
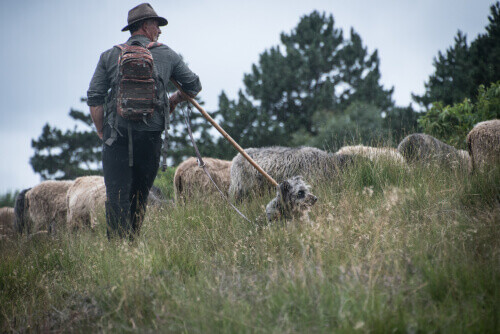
[141, 12]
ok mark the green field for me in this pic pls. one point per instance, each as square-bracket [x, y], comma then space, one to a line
[387, 250]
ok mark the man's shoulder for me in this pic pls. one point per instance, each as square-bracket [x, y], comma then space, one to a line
[164, 52]
[111, 50]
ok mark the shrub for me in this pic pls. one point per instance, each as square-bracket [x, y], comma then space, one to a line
[451, 124]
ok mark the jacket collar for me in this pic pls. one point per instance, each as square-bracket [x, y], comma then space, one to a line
[140, 38]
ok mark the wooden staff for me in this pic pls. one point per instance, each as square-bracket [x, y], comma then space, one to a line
[224, 133]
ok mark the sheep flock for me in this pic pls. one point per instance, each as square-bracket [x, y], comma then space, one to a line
[75, 204]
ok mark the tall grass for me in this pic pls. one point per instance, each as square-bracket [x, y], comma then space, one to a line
[388, 249]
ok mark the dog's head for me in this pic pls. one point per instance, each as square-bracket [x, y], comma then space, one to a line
[295, 196]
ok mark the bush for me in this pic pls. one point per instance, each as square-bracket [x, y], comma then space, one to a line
[451, 124]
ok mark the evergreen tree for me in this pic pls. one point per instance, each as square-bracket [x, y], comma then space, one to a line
[462, 69]
[314, 69]
[485, 52]
[67, 155]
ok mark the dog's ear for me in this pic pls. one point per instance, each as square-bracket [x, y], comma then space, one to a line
[285, 189]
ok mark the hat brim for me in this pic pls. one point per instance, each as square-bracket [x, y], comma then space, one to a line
[161, 21]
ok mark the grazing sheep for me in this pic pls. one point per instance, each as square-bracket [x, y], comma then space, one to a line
[86, 200]
[282, 163]
[293, 200]
[483, 143]
[422, 148]
[374, 153]
[190, 181]
[42, 207]
[7, 222]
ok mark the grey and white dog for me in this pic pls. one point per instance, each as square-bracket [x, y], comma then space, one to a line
[293, 200]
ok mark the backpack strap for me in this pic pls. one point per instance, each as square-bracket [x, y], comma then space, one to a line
[166, 111]
[121, 46]
[153, 45]
[114, 126]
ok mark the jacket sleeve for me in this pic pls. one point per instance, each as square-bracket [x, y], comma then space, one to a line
[99, 85]
[189, 81]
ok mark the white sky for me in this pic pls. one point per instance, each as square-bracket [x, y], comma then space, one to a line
[51, 47]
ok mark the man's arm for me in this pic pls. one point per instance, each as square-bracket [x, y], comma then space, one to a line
[97, 114]
[189, 81]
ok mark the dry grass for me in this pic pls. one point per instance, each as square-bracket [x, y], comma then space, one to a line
[388, 250]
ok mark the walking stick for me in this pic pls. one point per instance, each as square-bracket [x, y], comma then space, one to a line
[224, 133]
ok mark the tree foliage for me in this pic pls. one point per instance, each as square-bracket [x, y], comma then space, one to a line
[67, 155]
[463, 68]
[452, 123]
[8, 199]
[315, 69]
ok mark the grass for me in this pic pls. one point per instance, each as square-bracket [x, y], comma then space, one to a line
[387, 250]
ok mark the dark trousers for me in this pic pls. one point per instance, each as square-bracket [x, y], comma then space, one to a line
[127, 188]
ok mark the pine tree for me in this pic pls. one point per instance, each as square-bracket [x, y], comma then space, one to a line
[313, 69]
[462, 69]
[67, 155]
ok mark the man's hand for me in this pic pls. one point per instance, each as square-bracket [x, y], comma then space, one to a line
[174, 100]
[97, 114]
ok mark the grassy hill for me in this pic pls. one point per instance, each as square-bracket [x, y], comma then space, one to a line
[387, 250]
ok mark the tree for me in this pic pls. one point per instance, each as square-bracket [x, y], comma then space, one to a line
[67, 155]
[314, 69]
[462, 69]
[452, 123]
[359, 123]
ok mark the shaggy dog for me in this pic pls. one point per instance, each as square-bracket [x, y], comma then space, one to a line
[190, 181]
[293, 200]
[422, 148]
[483, 143]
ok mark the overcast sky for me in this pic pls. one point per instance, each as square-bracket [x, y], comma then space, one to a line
[50, 49]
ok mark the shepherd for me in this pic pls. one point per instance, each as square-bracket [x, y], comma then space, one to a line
[130, 109]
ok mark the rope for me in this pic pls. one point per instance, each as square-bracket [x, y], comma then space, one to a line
[201, 163]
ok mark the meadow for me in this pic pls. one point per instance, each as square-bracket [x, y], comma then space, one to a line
[387, 249]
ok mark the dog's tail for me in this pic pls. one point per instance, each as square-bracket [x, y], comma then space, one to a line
[20, 207]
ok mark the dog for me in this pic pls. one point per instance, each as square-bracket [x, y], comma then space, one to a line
[293, 200]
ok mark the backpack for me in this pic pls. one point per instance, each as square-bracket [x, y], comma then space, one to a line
[137, 91]
[136, 86]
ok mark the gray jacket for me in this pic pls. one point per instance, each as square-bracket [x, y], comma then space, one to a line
[168, 64]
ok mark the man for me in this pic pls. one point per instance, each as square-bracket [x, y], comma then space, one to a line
[131, 149]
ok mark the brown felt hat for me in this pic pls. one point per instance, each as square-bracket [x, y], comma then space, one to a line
[141, 12]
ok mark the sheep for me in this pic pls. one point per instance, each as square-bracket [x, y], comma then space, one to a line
[190, 181]
[7, 222]
[374, 153]
[483, 144]
[282, 163]
[423, 148]
[86, 200]
[42, 207]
